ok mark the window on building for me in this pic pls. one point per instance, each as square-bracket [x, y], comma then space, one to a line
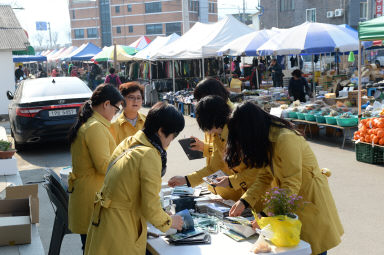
[311, 15]
[118, 30]
[79, 33]
[117, 9]
[364, 10]
[153, 7]
[130, 29]
[92, 32]
[129, 8]
[73, 14]
[287, 5]
[171, 28]
[154, 29]
[211, 8]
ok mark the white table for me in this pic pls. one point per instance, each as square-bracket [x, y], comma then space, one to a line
[35, 247]
[220, 244]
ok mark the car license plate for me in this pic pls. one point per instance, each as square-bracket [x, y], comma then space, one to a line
[65, 112]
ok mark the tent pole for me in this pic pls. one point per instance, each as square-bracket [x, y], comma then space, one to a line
[359, 86]
[173, 76]
[114, 56]
[313, 78]
[222, 62]
[203, 68]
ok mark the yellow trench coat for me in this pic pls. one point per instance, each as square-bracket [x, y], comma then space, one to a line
[90, 152]
[121, 128]
[295, 168]
[216, 162]
[128, 199]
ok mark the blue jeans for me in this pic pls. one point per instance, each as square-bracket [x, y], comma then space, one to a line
[324, 253]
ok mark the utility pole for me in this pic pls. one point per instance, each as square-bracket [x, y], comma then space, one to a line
[50, 37]
[244, 11]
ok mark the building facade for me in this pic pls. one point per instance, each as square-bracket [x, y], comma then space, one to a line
[289, 13]
[104, 22]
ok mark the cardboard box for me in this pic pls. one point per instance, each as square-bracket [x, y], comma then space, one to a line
[8, 166]
[26, 191]
[15, 222]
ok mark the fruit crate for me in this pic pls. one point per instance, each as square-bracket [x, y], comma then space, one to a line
[367, 153]
[292, 115]
[309, 117]
[319, 118]
[350, 122]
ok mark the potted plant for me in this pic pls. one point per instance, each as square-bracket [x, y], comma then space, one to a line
[6, 150]
[281, 202]
[281, 207]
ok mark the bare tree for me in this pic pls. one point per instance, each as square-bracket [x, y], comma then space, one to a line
[55, 37]
[39, 38]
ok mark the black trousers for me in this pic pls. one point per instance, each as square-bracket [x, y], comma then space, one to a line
[83, 241]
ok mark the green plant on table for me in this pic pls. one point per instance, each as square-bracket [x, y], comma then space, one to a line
[5, 145]
[281, 202]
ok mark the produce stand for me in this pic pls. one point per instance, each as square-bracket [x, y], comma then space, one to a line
[369, 153]
[346, 130]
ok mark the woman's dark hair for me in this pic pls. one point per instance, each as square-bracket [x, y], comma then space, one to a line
[102, 93]
[297, 73]
[165, 116]
[248, 137]
[212, 112]
[210, 87]
[112, 70]
[131, 87]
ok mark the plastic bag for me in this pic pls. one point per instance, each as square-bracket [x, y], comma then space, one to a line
[261, 246]
[286, 231]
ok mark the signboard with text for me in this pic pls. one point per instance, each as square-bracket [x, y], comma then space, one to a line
[379, 8]
[41, 25]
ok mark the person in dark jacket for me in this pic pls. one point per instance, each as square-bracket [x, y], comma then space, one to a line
[277, 73]
[298, 88]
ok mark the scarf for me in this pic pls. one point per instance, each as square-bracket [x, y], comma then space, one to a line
[155, 141]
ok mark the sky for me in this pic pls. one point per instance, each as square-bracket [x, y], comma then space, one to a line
[56, 13]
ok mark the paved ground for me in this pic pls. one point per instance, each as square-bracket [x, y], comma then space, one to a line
[357, 189]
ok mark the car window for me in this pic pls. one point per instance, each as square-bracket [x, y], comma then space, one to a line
[61, 86]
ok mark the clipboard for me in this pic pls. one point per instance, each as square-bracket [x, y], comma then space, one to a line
[191, 154]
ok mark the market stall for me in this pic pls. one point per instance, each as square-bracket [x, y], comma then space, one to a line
[207, 228]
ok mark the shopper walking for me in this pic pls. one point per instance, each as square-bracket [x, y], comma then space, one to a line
[277, 73]
[112, 78]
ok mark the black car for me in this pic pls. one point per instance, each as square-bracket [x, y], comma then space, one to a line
[45, 109]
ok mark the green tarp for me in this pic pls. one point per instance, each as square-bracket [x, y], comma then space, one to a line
[29, 51]
[372, 30]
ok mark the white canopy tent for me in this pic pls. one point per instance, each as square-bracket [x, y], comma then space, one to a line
[161, 41]
[204, 40]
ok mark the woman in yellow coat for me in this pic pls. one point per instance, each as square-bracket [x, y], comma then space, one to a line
[209, 87]
[130, 120]
[212, 114]
[130, 197]
[272, 148]
[91, 148]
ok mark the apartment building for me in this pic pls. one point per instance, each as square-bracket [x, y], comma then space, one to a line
[104, 22]
[289, 13]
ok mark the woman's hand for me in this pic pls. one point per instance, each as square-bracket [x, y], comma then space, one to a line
[237, 209]
[197, 145]
[177, 181]
[177, 222]
[255, 225]
[222, 181]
